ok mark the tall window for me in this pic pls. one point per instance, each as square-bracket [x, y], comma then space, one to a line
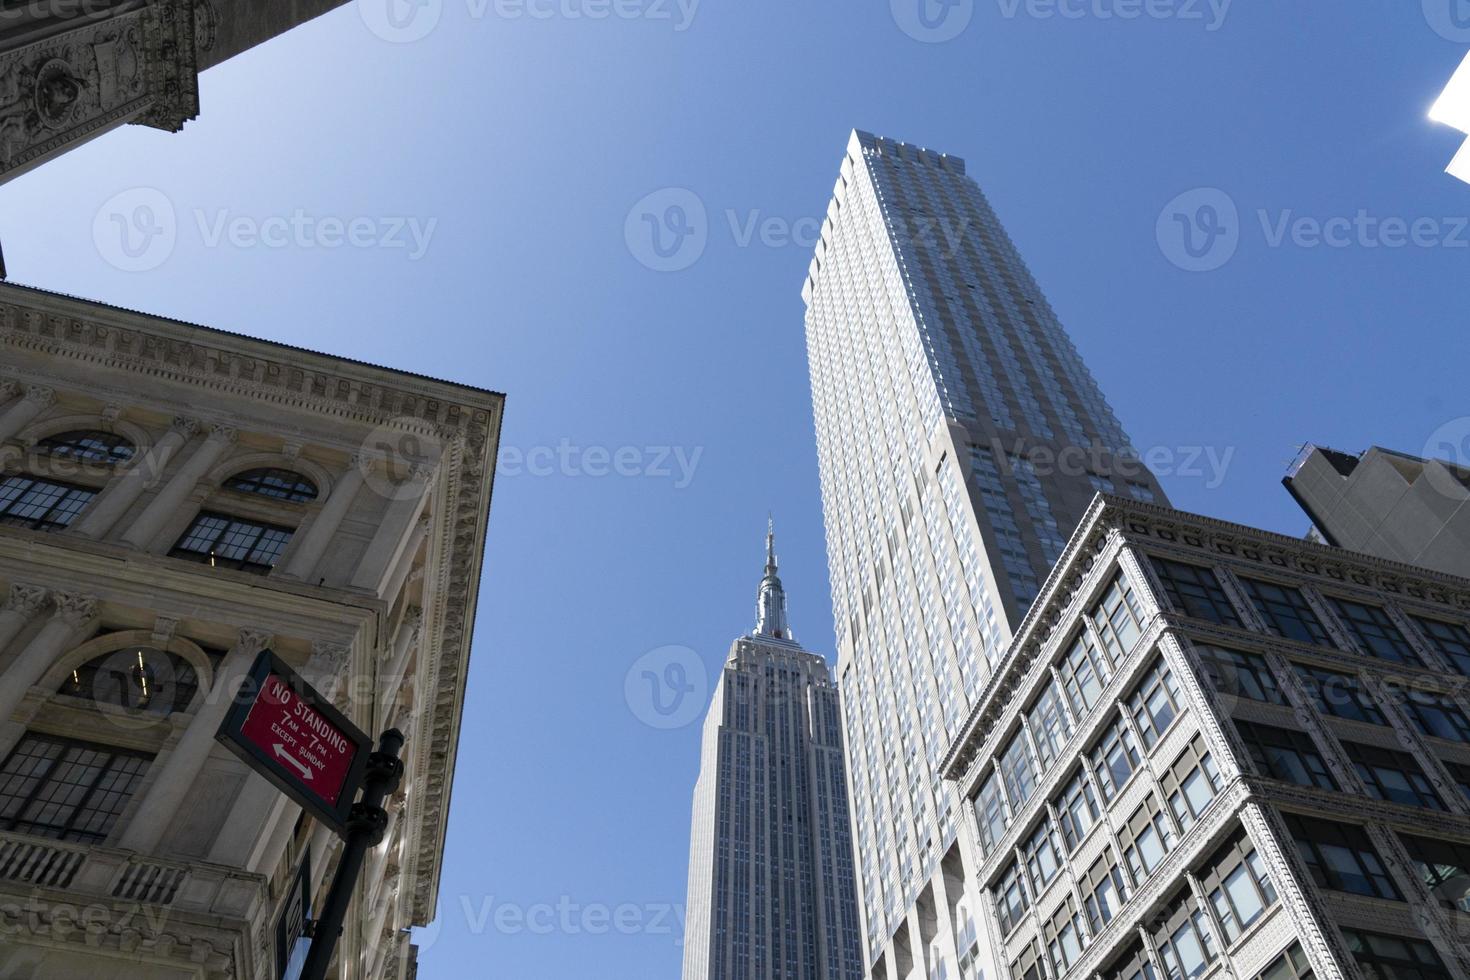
[1340, 695]
[1049, 724]
[42, 504]
[1104, 890]
[1239, 674]
[138, 677]
[1114, 758]
[1084, 671]
[1375, 631]
[87, 444]
[1077, 808]
[991, 811]
[1285, 754]
[1184, 942]
[1393, 776]
[1191, 782]
[1011, 900]
[1118, 618]
[1461, 775]
[1436, 714]
[1196, 592]
[227, 542]
[1290, 965]
[1444, 867]
[1133, 965]
[1018, 770]
[67, 789]
[1065, 937]
[1146, 838]
[1040, 856]
[1155, 703]
[1452, 640]
[1286, 611]
[271, 482]
[1237, 885]
[1340, 857]
[1382, 957]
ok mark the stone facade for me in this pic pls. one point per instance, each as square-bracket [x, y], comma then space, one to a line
[173, 499]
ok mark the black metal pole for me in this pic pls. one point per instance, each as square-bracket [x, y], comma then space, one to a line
[365, 828]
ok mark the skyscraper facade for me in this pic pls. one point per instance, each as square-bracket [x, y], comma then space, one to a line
[960, 439]
[772, 891]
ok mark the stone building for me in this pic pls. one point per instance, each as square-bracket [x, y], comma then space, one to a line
[74, 69]
[174, 499]
[1214, 751]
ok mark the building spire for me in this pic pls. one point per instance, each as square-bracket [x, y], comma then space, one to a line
[770, 606]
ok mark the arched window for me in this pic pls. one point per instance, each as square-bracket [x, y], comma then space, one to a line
[88, 444]
[272, 482]
[140, 678]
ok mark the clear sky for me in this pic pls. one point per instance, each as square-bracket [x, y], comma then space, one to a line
[519, 138]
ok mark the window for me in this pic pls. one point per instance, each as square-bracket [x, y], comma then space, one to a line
[88, 444]
[1077, 809]
[1239, 674]
[1084, 671]
[1191, 783]
[1436, 714]
[1444, 867]
[1237, 885]
[1118, 618]
[1155, 703]
[66, 789]
[1375, 632]
[1104, 890]
[1134, 965]
[1340, 695]
[1392, 776]
[45, 505]
[1461, 776]
[1049, 724]
[1285, 754]
[1452, 640]
[138, 677]
[1040, 856]
[1011, 900]
[1383, 957]
[1017, 769]
[1065, 938]
[269, 482]
[1146, 838]
[226, 542]
[1028, 965]
[1114, 758]
[1340, 857]
[1196, 592]
[1286, 612]
[1183, 940]
[991, 811]
[1290, 965]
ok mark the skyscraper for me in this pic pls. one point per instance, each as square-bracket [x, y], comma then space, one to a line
[960, 439]
[772, 894]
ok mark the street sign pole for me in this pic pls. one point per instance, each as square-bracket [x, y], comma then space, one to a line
[366, 825]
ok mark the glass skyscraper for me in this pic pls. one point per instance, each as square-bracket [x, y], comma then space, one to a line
[961, 439]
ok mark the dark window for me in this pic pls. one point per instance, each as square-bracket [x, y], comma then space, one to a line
[1133, 965]
[137, 677]
[1114, 758]
[65, 789]
[1444, 867]
[270, 482]
[1450, 639]
[1155, 703]
[1383, 957]
[88, 444]
[1078, 810]
[1028, 965]
[1238, 674]
[1393, 776]
[1196, 592]
[1065, 936]
[1340, 695]
[44, 504]
[1375, 632]
[1341, 857]
[1285, 754]
[1461, 776]
[1436, 714]
[1239, 890]
[230, 543]
[1286, 612]
[1290, 965]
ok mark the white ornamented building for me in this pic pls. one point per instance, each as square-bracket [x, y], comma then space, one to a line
[174, 499]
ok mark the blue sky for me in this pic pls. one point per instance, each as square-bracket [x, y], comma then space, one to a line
[517, 141]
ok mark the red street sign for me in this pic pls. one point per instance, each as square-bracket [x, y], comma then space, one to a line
[297, 739]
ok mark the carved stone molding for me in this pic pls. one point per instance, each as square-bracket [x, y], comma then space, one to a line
[224, 433]
[27, 599]
[251, 641]
[42, 395]
[75, 609]
[184, 425]
[163, 631]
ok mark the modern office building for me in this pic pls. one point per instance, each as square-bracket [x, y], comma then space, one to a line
[173, 500]
[1214, 751]
[772, 888]
[1387, 503]
[960, 439]
[70, 71]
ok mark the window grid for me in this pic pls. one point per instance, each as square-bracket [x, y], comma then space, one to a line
[87, 444]
[1452, 640]
[1394, 777]
[1195, 591]
[272, 482]
[227, 542]
[1341, 858]
[67, 789]
[44, 505]
[1286, 612]
[1375, 632]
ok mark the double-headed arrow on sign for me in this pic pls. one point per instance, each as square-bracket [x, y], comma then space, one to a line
[290, 759]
